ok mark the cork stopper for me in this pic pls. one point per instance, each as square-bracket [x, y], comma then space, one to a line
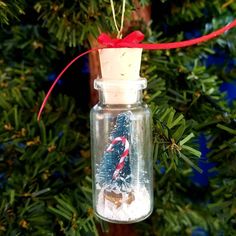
[120, 79]
[120, 63]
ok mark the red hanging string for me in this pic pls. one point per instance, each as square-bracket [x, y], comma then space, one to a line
[133, 40]
[58, 77]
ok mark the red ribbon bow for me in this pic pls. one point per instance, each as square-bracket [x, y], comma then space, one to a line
[131, 39]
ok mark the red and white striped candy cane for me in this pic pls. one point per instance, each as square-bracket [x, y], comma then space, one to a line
[125, 153]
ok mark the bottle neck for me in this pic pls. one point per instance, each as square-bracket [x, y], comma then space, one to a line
[114, 98]
[126, 92]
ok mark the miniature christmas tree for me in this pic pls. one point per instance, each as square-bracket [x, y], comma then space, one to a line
[114, 172]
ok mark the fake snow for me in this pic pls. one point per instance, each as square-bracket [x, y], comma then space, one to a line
[138, 209]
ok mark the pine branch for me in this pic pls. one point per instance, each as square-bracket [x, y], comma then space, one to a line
[11, 10]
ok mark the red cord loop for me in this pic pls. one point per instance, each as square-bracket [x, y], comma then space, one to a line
[133, 40]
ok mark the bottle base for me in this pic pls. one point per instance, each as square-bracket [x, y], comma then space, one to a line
[126, 212]
[124, 222]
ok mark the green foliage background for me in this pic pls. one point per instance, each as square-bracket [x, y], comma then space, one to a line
[45, 176]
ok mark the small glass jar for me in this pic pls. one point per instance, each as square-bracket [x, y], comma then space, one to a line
[121, 144]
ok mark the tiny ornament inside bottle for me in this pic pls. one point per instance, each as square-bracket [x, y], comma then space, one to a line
[121, 140]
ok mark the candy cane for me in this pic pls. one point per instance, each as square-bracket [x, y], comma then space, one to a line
[125, 153]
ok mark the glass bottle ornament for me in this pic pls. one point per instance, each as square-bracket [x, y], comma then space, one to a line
[118, 182]
[121, 140]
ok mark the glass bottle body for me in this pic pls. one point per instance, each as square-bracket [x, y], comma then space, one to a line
[121, 140]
